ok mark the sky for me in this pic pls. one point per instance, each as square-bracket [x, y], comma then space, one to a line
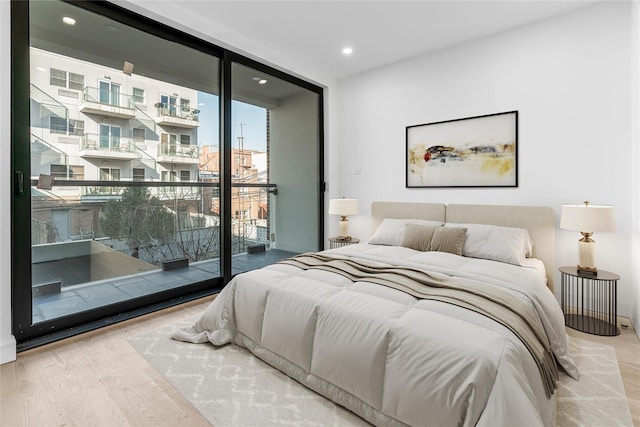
[253, 119]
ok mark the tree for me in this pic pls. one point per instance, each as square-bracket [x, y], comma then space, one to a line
[139, 218]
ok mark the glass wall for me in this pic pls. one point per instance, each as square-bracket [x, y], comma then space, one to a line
[274, 140]
[150, 176]
[108, 114]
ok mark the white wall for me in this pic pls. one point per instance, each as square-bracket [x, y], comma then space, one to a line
[570, 79]
[635, 193]
[294, 168]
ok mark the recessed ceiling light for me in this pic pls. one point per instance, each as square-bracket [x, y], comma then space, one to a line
[68, 20]
[260, 80]
[347, 51]
[41, 69]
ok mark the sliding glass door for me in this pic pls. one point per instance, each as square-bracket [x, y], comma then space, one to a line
[105, 239]
[144, 179]
[275, 138]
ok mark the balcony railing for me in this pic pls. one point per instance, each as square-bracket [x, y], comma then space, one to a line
[177, 153]
[107, 146]
[177, 115]
[160, 221]
[106, 102]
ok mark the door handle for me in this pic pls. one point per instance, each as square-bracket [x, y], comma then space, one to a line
[19, 183]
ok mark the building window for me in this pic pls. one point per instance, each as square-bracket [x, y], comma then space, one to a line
[109, 174]
[185, 105]
[57, 78]
[58, 125]
[138, 174]
[168, 105]
[76, 127]
[168, 176]
[185, 175]
[138, 95]
[185, 139]
[67, 171]
[76, 81]
[109, 137]
[138, 134]
[109, 93]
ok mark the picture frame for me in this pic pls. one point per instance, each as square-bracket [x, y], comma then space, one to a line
[479, 151]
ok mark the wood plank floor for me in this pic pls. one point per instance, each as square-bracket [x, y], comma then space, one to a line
[98, 379]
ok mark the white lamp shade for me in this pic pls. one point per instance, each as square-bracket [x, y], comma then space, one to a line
[587, 218]
[343, 207]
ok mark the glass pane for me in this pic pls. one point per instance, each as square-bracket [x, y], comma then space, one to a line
[111, 241]
[104, 136]
[274, 121]
[104, 92]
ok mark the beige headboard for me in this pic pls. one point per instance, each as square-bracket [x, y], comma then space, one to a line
[405, 210]
[540, 221]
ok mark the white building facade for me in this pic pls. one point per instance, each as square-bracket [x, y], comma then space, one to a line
[90, 122]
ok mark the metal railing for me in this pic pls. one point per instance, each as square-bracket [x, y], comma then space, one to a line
[178, 150]
[175, 110]
[108, 97]
[94, 141]
[160, 221]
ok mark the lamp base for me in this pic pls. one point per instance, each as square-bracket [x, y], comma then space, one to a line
[587, 271]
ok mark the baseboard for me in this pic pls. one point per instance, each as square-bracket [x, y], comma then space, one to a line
[8, 351]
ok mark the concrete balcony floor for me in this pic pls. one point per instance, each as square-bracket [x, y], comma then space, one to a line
[87, 296]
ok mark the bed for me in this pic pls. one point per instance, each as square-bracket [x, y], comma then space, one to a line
[445, 317]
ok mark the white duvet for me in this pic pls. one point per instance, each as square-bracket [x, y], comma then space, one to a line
[385, 355]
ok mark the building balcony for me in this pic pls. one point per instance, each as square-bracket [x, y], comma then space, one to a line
[107, 103]
[106, 147]
[105, 258]
[177, 116]
[176, 153]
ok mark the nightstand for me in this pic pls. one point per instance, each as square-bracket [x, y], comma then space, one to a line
[336, 242]
[590, 303]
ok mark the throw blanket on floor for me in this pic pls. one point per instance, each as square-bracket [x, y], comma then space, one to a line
[501, 306]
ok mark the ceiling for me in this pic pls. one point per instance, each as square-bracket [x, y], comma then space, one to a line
[314, 33]
[306, 37]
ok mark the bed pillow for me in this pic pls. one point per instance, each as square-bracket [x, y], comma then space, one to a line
[505, 244]
[391, 230]
[449, 239]
[418, 236]
[433, 238]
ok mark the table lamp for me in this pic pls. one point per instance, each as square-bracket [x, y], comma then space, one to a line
[343, 207]
[587, 218]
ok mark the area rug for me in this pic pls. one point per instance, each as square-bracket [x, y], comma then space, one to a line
[231, 387]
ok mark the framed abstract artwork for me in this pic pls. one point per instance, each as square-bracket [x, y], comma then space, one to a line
[479, 151]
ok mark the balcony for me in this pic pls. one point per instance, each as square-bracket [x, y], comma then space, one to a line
[107, 103]
[93, 145]
[116, 250]
[177, 116]
[89, 194]
[178, 154]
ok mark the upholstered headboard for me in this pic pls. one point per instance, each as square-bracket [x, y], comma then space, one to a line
[539, 221]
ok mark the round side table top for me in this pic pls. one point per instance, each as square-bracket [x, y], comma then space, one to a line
[602, 274]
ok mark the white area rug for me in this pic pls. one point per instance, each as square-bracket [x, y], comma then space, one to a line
[231, 387]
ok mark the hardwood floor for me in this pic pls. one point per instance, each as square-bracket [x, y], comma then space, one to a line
[98, 379]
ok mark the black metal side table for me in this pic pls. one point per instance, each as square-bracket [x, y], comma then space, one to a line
[336, 242]
[590, 303]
